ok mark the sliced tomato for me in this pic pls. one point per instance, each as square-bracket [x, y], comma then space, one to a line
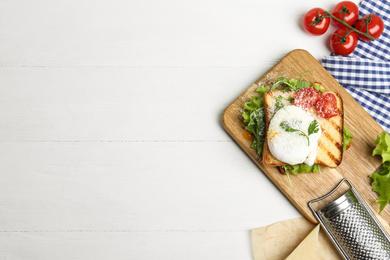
[306, 97]
[327, 105]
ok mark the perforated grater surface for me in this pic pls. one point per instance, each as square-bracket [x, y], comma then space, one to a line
[352, 227]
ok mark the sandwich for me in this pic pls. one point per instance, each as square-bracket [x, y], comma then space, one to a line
[284, 146]
[297, 126]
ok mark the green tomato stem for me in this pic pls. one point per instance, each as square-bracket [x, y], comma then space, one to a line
[349, 27]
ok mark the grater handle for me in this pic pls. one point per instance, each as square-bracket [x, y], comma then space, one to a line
[328, 194]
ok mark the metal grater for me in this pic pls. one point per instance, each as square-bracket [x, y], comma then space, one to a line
[352, 226]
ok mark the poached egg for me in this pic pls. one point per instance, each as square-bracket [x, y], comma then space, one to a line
[292, 147]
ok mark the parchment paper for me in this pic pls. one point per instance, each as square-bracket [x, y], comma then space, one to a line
[278, 240]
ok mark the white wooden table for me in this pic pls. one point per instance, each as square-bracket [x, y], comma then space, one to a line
[111, 140]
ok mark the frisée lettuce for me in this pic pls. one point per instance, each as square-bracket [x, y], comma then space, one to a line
[253, 117]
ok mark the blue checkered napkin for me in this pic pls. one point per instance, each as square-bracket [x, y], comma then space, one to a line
[365, 73]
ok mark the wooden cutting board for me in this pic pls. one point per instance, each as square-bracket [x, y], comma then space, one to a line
[357, 164]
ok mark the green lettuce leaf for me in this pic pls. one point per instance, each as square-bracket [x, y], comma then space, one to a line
[318, 87]
[381, 185]
[300, 168]
[381, 178]
[293, 84]
[347, 137]
[382, 147]
[253, 117]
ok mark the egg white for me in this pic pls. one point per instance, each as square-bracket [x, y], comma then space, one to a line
[291, 147]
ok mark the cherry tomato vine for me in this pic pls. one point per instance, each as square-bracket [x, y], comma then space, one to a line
[350, 27]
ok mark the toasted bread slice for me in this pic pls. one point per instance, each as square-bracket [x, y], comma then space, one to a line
[330, 144]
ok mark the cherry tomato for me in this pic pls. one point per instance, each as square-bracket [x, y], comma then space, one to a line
[306, 97]
[347, 11]
[327, 105]
[315, 22]
[343, 41]
[373, 23]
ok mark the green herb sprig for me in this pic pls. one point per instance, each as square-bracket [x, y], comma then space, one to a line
[313, 128]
